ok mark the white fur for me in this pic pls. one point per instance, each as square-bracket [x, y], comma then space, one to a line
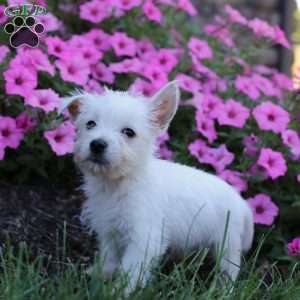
[139, 205]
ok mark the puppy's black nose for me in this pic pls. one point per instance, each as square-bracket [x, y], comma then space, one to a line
[98, 146]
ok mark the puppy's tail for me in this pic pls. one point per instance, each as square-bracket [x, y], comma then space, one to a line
[248, 231]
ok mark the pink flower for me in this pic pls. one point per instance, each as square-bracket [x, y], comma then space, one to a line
[126, 66]
[264, 85]
[291, 139]
[280, 38]
[47, 100]
[10, 135]
[272, 117]
[166, 59]
[73, 70]
[234, 178]
[19, 81]
[283, 81]
[233, 113]
[251, 144]
[3, 53]
[127, 4]
[294, 247]
[3, 17]
[234, 16]
[298, 178]
[220, 158]
[103, 73]
[93, 86]
[164, 152]
[188, 83]
[123, 45]
[50, 22]
[264, 210]
[200, 48]
[24, 122]
[57, 47]
[2, 151]
[152, 12]
[94, 11]
[61, 139]
[187, 6]
[142, 87]
[221, 33]
[206, 126]
[155, 74]
[261, 28]
[90, 55]
[211, 105]
[144, 47]
[99, 39]
[245, 85]
[273, 162]
[200, 150]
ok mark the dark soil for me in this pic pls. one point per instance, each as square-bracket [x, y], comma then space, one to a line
[47, 220]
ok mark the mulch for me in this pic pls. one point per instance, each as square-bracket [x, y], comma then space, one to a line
[47, 220]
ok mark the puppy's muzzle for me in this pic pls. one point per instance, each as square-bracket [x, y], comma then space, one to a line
[98, 148]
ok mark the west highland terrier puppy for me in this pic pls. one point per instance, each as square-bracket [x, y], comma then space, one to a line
[141, 206]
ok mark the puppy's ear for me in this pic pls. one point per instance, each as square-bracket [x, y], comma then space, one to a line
[164, 105]
[72, 104]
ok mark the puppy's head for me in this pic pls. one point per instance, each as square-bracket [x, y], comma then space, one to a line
[116, 131]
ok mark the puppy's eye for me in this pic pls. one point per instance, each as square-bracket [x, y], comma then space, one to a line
[129, 132]
[90, 124]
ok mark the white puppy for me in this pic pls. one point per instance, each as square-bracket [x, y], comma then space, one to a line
[139, 205]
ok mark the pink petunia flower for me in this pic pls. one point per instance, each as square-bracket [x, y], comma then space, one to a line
[210, 104]
[200, 48]
[280, 38]
[19, 81]
[283, 81]
[62, 138]
[90, 55]
[126, 4]
[144, 47]
[57, 47]
[264, 210]
[123, 45]
[10, 135]
[166, 59]
[95, 11]
[294, 247]
[261, 28]
[245, 85]
[133, 65]
[98, 38]
[50, 22]
[142, 87]
[206, 126]
[273, 162]
[234, 16]
[93, 86]
[152, 12]
[164, 151]
[251, 145]
[3, 17]
[234, 178]
[24, 122]
[103, 73]
[272, 117]
[3, 53]
[188, 83]
[234, 114]
[73, 70]
[220, 158]
[221, 33]
[155, 74]
[47, 100]
[291, 139]
[187, 6]
[298, 178]
[200, 151]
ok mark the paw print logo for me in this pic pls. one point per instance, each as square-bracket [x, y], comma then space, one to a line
[24, 31]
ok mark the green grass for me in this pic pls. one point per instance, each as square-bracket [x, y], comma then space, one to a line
[24, 277]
